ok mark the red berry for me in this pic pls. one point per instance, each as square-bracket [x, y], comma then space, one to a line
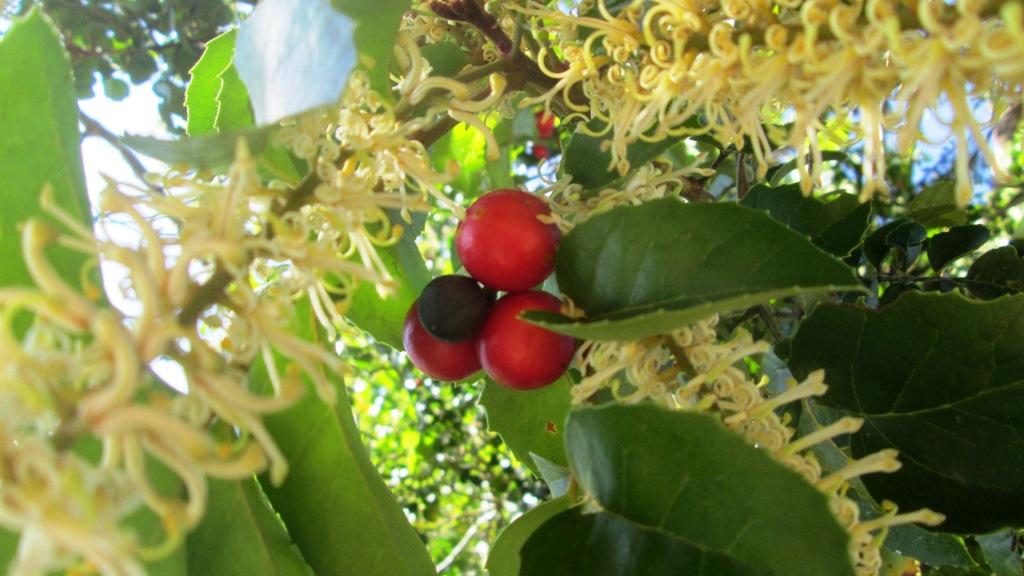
[545, 125]
[502, 243]
[436, 358]
[541, 152]
[518, 354]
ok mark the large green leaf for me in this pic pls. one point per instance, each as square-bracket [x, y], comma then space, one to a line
[1002, 553]
[337, 509]
[40, 142]
[837, 225]
[573, 543]
[996, 273]
[503, 557]
[941, 379]
[529, 421]
[205, 84]
[382, 317]
[240, 535]
[589, 163]
[466, 147]
[958, 241]
[685, 475]
[211, 151]
[932, 548]
[649, 269]
[937, 206]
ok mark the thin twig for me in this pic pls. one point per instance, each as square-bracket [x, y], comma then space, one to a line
[741, 176]
[682, 360]
[464, 541]
[94, 128]
[769, 322]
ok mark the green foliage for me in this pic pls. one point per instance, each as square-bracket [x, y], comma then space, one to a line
[648, 269]
[40, 144]
[382, 317]
[503, 559]
[958, 241]
[997, 273]
[376, 28]
[710, 495]
[336, 507]
[941, 379]
[936, 206]
[207, 84]
[836, 222]
[575, 543]
[932, 548]
[530, 422]
[588, 161]
[240, 535]
[214, 151]
[113, 44]
[446, 58]
[1001, 553]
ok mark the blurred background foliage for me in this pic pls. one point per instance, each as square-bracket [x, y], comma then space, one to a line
[114, 44]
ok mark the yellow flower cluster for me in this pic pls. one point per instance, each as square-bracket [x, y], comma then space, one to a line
[211, 281]
[691, 369]
[655, 69]
[571, 205]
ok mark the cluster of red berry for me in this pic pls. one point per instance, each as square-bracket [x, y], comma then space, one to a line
[456, 327]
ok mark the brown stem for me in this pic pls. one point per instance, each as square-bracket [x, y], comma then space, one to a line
[470, 12]
[94, 128]
[769, 322]
[741, 176]
[682, 360]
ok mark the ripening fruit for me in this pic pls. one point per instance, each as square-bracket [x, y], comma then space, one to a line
[435, 358]
[453, 308]
[518, 354]
[545, 125]
[502, 243]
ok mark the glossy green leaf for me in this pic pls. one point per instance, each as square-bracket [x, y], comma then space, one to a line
[932, 548]
[589, 162]
[685, 475]
[573, 543]
[556, 476]
[941, 379]
[1001, 553]
[446, 58]
[212, 151]
[377, 24]
[836, 223]
[240, 535]
[40, 143]
[382, 317]
[337, 509]
[201, 96]
[649, 269]
[295, 55]
[936, 206]
[466, 147]
[234, 111]
[529, 421]
[503, 557]
[958, 241]
[996, 273]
